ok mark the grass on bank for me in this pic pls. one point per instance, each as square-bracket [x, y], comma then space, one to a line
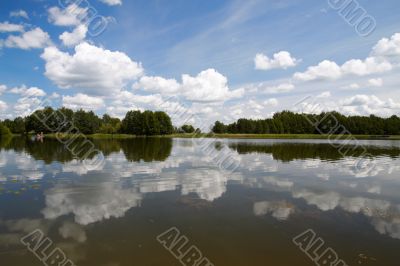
[233, 136]
[91, 136]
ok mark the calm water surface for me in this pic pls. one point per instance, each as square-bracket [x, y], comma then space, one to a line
[113, 215]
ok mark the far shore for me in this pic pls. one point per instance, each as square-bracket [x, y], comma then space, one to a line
[231, 136]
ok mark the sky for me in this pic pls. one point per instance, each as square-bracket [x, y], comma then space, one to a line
[200, 61]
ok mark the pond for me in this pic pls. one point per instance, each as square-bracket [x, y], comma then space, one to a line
[152, 201]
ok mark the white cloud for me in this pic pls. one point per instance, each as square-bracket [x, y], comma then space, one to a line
[251, 109]
[378, 82]
[3, 106]
[125, 101]
[112, 2]
[208, 86]
[72, 15]
[325, 94]
[3, 88]
[82, 101]
[91, 69]
[369, 66]
[368, 104]
[158, 84]
[26, 105]
[352, 86]
[282, 60]
[355, 105]
[388, 47]
[75, 37]
[35, 38]
[330, 70]
[8, 27]
[271, 102]
[378, 62]
[34, 92]
[28, 92]
[19, 13]
[54, 95]
[281, 88]
[324, 70]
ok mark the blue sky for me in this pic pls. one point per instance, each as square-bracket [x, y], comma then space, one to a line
[203, 53]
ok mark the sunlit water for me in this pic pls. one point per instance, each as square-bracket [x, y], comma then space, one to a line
[112, 216]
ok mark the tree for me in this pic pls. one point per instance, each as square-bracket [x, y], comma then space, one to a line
[86, 122]
[324, 123]
[146, 123]
[187, 129]
[219, 128]
[4, 131]
[109, 125]
[164, 120]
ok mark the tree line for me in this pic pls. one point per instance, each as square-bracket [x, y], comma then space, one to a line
[87, 122]
[49, 120]
[159, 123]
[287, 122]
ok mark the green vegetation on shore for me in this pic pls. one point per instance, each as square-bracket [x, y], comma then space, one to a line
[231, 136]
[4, 131]
[284, 125]
[287, 122]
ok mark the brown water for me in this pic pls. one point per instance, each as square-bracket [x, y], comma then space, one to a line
[112, 216]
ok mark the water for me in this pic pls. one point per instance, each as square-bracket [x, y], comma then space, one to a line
[112, 216]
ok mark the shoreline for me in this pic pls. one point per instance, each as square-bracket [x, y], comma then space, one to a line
[231, 136]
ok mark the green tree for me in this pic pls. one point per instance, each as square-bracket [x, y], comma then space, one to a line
[187, 129]
[219, 128]
[4, 131]
[86, 122]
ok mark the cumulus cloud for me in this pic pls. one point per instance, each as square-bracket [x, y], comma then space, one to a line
[378, 82]
[112, 2]
[72, 15]
[82, 101]
[3, 88]
[125, 101]
[26, 105]
[92, 69]
[355, 105]
[388, 47]
[19, 13]
[248, 109]
[369, 66]
[28, 92]
[368, 104]
[325, 94]
[282, 60]
[324, 70]
[9, 27]
[378, 62]
[75, 37]
[330, 70]
[208, 86]
[352, 86]
[281, 88]
[3, 106]
[35, 38]
[158, 84]
[271, 102]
